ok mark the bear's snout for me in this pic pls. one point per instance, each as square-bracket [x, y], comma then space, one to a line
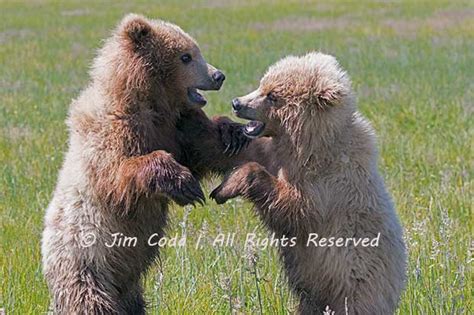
[236, 105]
[218, 77]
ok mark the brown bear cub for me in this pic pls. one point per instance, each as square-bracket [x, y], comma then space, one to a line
[128, 157]
[321, 186]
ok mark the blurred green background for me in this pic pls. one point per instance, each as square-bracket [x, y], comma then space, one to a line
[412, 66]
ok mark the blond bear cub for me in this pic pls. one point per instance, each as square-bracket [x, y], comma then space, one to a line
[321, 178]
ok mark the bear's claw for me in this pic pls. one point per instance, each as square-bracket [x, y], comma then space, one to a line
[233, 138]
[216, 196]
[189, 193]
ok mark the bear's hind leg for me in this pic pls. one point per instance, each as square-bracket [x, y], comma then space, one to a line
[81, 293]
[308, 306]
[133, 302]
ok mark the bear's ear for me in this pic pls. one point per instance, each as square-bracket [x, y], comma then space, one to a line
[333, 91]
[330, 84]
[137, 28]
[330, 96]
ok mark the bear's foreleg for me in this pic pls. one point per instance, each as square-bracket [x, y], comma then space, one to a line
[216, 145]
[280, 204]
[155, 173]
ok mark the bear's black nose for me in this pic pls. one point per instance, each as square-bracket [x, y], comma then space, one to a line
[218, 76]
[236, 105]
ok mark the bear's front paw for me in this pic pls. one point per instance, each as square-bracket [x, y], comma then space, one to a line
[232, 136]
[177, 182]
[238, 182]
[186, 190]
[223, 192]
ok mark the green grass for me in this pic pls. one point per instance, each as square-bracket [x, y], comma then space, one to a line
[412, 66]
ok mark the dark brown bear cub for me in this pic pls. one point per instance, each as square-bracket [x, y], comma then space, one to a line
[127, 159]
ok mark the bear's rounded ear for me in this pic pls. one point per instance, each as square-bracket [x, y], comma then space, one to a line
[136, 27]
[330, 83]
[330, 96]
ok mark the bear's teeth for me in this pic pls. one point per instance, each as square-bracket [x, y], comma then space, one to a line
[254, 128]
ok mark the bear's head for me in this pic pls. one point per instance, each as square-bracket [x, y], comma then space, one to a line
[155, 58]
[298, 96]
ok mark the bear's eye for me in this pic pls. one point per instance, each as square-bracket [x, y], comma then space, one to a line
[186, 58]
[271, 97]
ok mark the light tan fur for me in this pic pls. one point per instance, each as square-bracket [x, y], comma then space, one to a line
[322, 178]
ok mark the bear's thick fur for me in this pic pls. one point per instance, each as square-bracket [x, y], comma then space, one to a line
[321, 178]
[138, 138]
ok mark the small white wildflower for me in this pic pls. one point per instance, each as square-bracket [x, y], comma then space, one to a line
[251, 255]
[328, 311]
[158, 280]
[434, 249]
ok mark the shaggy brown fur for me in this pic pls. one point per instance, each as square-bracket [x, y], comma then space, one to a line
[321, 178]
[137, 140]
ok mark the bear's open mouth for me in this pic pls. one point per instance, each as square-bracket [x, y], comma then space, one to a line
[254, 128]
[195, 97]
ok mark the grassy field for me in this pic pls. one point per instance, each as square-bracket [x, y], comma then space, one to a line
[412, 66]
